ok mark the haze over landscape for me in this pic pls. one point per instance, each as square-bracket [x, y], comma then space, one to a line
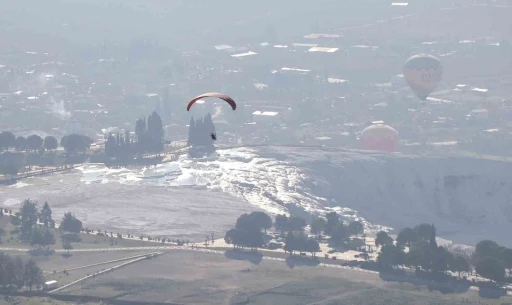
[360, 121]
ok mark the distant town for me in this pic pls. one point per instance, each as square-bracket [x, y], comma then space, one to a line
[317, 89]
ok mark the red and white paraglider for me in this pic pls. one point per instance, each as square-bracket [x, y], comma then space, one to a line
[221, 96]
[379, 137]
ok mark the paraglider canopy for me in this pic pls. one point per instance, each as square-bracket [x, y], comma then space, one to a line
[423, 72]
[379, 137]
[221, 96]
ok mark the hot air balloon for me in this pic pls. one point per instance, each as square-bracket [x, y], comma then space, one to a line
[423, 72]
[379, 137]
[221, 96]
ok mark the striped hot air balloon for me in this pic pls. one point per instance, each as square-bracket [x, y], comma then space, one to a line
[423, 72]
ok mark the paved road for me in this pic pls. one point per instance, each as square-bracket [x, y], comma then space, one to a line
[179, 248]
[211, 251]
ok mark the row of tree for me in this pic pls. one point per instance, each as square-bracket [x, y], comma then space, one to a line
[149, 137]
[31, 143]
[34, 143]
[36, 226]
[250, 230]
[16, 273]
[12, 162]
[337, 230]
[417, 248]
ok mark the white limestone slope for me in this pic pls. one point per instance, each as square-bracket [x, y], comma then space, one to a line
[467, 199]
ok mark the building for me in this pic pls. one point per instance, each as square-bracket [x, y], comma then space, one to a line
[266, 117]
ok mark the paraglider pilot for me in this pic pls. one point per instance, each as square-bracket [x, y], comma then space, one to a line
[214, 136]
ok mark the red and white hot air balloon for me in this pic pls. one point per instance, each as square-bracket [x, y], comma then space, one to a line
[379, 137]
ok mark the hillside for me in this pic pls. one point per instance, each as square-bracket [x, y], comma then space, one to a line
[466, 198]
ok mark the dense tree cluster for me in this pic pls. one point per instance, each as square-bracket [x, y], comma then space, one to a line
[284, 223]
[75, 143]
[199, 133]
[149, 137]
[417, 248]
[249, 230]
[491, 260]
[15, 273]
[338, 231]
[34, 226]
[423, 251]
[298, 241]
[37, 227]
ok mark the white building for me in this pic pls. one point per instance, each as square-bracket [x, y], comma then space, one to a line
[266, 117]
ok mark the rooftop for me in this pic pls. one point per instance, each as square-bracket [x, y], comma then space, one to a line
[244, 54]
[265, 113]
[323, 49]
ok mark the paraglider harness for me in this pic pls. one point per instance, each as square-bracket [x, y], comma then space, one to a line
[214, 136]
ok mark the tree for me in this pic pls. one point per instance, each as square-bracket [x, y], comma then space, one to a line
[16, 219]
[332, 221]
[247, 222]
[74, 143]
[27, 218]
[312, 246]
[490, 268]
[45, 216]
[390, 256]
[424, 231]
[155, 128]
[66, 244]
[50, 143]
[318, 225]
[36, 237]
[459, 264]
[383, 239]
[355, 228]
[297, 224]
[406, 236]
[70, 223]
[485, 248]
[34, 142]
[339, 233]
[505, 255]
[289, 243]
[232, 237]
[47, 238]
[432, 238]
[263, 220]
[7, 139]
[20, 143]
[252, 239]
[281, 223]
[441, 260]
[7, 270]
[19, 272]
[33, 275]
